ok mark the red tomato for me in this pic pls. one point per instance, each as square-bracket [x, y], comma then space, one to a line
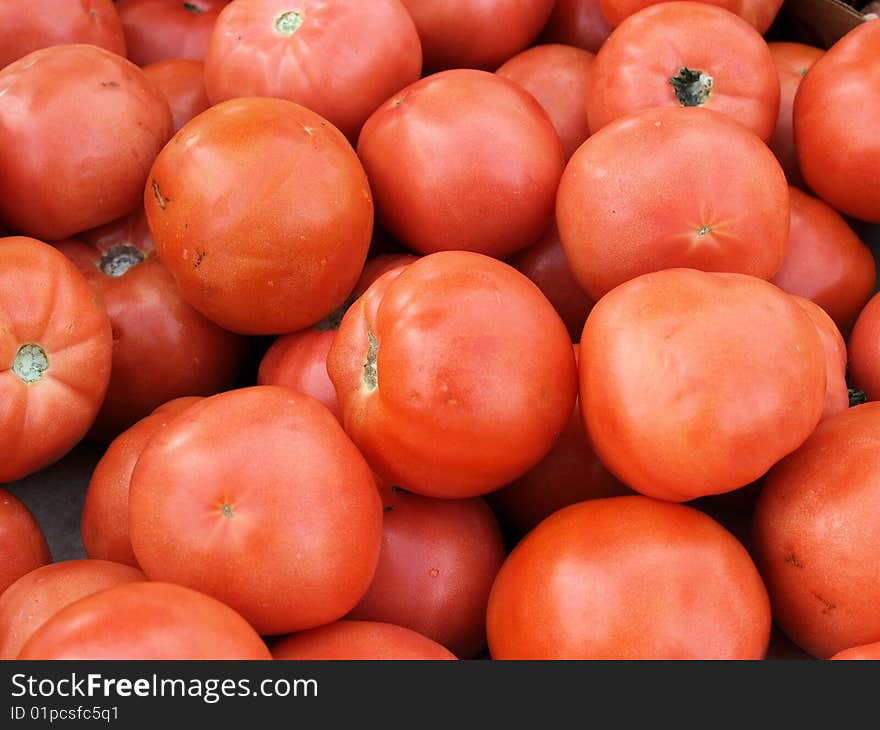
[43, 23]
[816, 532]
[685, 54]
[463, 160]
[158, 30]
[104, 526]
[40, 594]
[577, 23]
[145, 620]
[234, 486]
[630, 202]
[558, 77]
[628, 578]
[825, 261]
[864, 350]
[455, 375]
[252, 251]
[760, 14]
[675, 386]
[363, 640]
[182, 82]
[835, 118]
[335, 57]
[23, 547]
[866, 651]
[56, 341]
[436, 567]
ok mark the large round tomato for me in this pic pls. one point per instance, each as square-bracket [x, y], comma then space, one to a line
[463, 160]
[760, 14]
[628, 578]
[835, 118]
[685, 54]
[864, 350]
[182, 82]
[454, 375]
[23, 547]
[577, 23]
[55, 355]
[683, 396]
[258, 498]
[279, 237]
[671, 187]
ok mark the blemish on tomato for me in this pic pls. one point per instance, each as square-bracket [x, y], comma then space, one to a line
[160, 199]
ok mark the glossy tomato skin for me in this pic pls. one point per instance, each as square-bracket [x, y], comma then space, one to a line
[251, 251]
[814, 529]
[577, 23]
[469, 375]
[145, 620]
[760, 14]
[632, 201]
[235, 485]
[866, 651]
[23, 547]
[864, 350]
[104, 527]
[835, 113]
[633, 69]
[182, 82]
[628, 578]
[38, 595]
[825, 261]
[463, 160]
[56, 346]
[359, 640]
[675, 389]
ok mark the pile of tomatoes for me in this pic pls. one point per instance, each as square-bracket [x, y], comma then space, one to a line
[438, 329]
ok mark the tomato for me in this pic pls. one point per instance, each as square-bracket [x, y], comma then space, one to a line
[685, 54]
[463, 160]
[158, 30]
[279, 237]
[182, 82]
[232, 487]
[43, 23]
[23, 547]
[864, 350]
[436, 567]
[825, 261]
[104, 526]
[816, 531]
[792, 61]
[55, 346]
[577, 23]
[675, 386]
[866, 651]
[835, 112]
[41, 593]
[145, 620]
[558, 77]
[760, 14]
[454, 375]
[363, 640]
[628, 578]
[667, 188]
[340, 58]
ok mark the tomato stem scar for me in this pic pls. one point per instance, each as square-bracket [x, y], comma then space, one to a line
[692, 88]
[30, 363]
[119, 259]
[192, 8]
[371, 374]
[289, 22]
[226, 509]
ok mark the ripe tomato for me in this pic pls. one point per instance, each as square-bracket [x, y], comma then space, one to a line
[816, 531]
[51, 187]
[577, 23]
[454, 375]
[279, 237]
[835, 112]
[231, 488]
[628, 578]
[675, 386]
[40, 594]
[632, 201]
[685, 54]
[182, 82]
[760, 14]
[351, 640]
[864, 350]
[332, 57]
[145, 620]
[866, 651]
[56, 345]
[23, 547]
[463, 160]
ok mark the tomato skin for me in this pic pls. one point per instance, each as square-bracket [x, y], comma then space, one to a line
[460, 406]
[41, 593]
[866, 651]
[835, 113]
[630, 202]
[760, 14]
[628, 578]
[45, 302]
[814, 531]
[359, 640]
[864, 350]
[233, 486]
[182, 82]
[577, 23]
[342, 60]
[276, 260]
[632, 70]
[145, 620]
[468, 142]
[23, 547]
